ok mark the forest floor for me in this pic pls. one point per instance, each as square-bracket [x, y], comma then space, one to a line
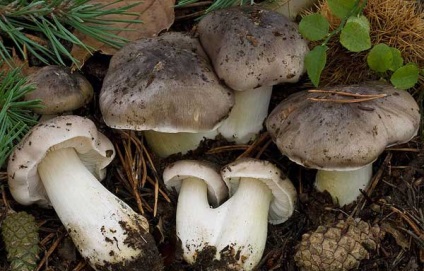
[394, 201]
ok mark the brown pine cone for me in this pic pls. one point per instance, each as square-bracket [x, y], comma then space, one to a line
[340, 247]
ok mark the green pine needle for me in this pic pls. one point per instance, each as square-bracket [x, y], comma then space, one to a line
[55, 21]
[15, 114]
[217, 4]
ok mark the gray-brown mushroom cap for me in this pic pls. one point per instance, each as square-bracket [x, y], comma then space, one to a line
[156, 84]
[343, 136]
[59, 90]
[252, 47]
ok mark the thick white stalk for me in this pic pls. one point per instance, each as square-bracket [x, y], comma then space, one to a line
[165, 144]
[104, 229]
[246, 222]
[247, 116]
[344, 186]
[239, 225]
[196, 220]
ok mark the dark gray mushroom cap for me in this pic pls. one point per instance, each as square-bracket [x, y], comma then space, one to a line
[343, 136]
[163, 84]
[59, 90]
[251, 47]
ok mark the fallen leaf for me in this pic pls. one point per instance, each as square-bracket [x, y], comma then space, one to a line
[156, 16]
[289, 8]
[400, 239]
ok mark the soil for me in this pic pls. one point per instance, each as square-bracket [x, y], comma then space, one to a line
[396, 202]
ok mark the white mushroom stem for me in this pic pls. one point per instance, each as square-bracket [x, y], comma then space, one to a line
[195, 220]
[344, 186]
[247, 116]
[165, 144]
[238, 227]
[99, 223]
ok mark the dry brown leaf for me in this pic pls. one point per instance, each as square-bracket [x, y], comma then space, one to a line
[156, 16]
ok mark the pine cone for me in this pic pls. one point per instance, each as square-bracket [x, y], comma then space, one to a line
[337, 248]
[20, 235]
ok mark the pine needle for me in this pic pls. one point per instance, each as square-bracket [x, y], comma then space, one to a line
[54, 21]
[217, 4]
[15, 115]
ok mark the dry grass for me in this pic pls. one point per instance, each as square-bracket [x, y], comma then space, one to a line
[398, 23]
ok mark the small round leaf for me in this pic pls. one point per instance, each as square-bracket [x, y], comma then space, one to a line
[314, 27]
[406, 76]
[315, 62]
[397, 60]
[355, 35]
[380, 58]
[341, 8]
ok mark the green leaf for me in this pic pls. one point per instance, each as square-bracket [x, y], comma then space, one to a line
[315, 62]
[406, 76]
[314, 27]
[380, 58]
[341, 8]
[397, 60]
[355, 35]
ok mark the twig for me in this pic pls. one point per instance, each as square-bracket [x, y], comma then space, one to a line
[126, 163]
[227, 148]
[80, 266]
[254, 145]
[190, 16]
[262, 150]
[411, 223]
[343, 93]
[375, 180]
[358, 97]
[50, 251]
[343, 101]
[193, 5]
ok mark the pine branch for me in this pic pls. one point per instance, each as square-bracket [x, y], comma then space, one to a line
[15, 114]
[217, 4]
[42, 27]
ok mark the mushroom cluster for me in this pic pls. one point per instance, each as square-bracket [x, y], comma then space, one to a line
[235, 230]
[178, 90]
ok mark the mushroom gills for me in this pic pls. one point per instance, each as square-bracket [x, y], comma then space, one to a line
[165, 144]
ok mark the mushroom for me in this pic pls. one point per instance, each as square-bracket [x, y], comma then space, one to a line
[59, 89]
[342, 130]
[237, 229]
[251, 50]
[59, 163]
[165, 87]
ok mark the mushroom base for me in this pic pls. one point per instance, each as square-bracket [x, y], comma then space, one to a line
[237, 228]
[105, 230]
[165, 144]
[343, 186]
[247, 116]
